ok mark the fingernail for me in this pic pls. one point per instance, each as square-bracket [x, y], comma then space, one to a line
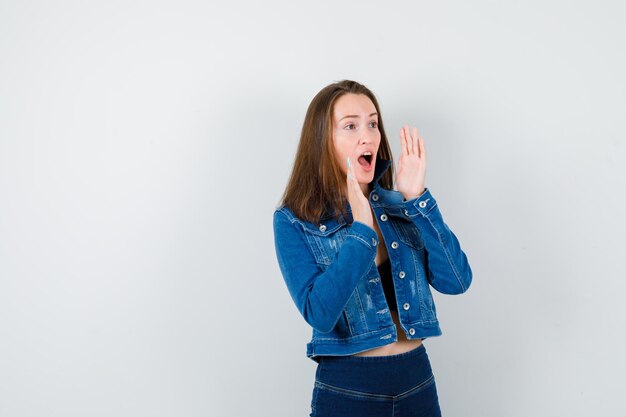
[348, 162]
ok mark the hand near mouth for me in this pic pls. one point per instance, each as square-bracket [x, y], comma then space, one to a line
[411, 175]
[361, 210]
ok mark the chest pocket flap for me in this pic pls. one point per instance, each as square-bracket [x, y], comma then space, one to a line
[407, 231]
[325, 239]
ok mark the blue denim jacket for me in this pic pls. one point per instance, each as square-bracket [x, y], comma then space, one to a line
[331, 275]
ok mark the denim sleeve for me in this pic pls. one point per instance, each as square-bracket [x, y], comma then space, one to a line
[449, 271]
[321, 295]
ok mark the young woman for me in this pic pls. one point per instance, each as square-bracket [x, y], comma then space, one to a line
[359, 258]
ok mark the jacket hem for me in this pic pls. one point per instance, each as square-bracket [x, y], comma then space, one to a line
[346, 347]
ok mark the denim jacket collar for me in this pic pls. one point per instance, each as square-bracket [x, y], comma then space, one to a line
[382, 165]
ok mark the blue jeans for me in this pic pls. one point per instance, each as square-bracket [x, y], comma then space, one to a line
[361, 386]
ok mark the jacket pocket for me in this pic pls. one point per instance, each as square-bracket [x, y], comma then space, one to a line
[408, 233]
[325, 247]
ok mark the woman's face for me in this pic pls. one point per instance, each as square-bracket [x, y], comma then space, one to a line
[356, 135]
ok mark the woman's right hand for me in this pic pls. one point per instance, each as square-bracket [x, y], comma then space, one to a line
[361, 210]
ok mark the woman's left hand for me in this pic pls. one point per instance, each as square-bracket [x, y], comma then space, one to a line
[411, 175]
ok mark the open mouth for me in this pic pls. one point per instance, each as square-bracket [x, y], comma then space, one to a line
[365, 160]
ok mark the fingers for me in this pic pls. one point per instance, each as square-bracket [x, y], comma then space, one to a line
[351, 178]
[351, 172]
[403, 142]
[359, 204]
[349, 169]
[410, 141]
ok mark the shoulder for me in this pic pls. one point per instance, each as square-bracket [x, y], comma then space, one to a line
[284, 215]
[284, 211]
[285, 221]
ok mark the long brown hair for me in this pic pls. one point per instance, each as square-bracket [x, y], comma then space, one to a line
[317, 185]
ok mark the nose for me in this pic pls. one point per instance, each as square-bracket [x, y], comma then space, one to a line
[365, 138]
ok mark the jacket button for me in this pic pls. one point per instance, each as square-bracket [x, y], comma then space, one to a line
[411, 331]
[401, 274]
[406, 306]
[374, 242]
[322, 228]
[375, 197]
[394, 245]
[383, 217]
[422, 204]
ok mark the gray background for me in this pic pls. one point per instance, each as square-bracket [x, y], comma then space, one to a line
[144, 146]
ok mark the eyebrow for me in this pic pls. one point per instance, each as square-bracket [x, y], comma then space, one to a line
[354, 115]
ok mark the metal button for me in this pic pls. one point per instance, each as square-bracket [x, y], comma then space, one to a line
[401, 274]
[411, 331]
[374, 242]
[322, 228]
[383, 217]
[422, 204]
[375, 197]
[406, 212]
[394, 245]
[406, 306]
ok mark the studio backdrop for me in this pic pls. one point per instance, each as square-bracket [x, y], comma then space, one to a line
[144, 146]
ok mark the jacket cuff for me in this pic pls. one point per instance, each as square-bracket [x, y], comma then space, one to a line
[421, 205]
[364, 234]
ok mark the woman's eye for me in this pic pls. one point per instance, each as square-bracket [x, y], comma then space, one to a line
[350, 126]
[373, 124]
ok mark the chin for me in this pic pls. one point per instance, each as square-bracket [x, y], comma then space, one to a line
[366, 180]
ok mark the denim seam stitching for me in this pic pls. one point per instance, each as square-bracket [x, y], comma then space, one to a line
[345, 391]
[362, 309]
[359, 335]
[403, 236]
[445, 250]
[361, 394]
[292, 219]
[416, 388]
[420, 294]
[360, 239]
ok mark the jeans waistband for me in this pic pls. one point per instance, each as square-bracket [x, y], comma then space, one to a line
[387, 358]
[390, 374]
